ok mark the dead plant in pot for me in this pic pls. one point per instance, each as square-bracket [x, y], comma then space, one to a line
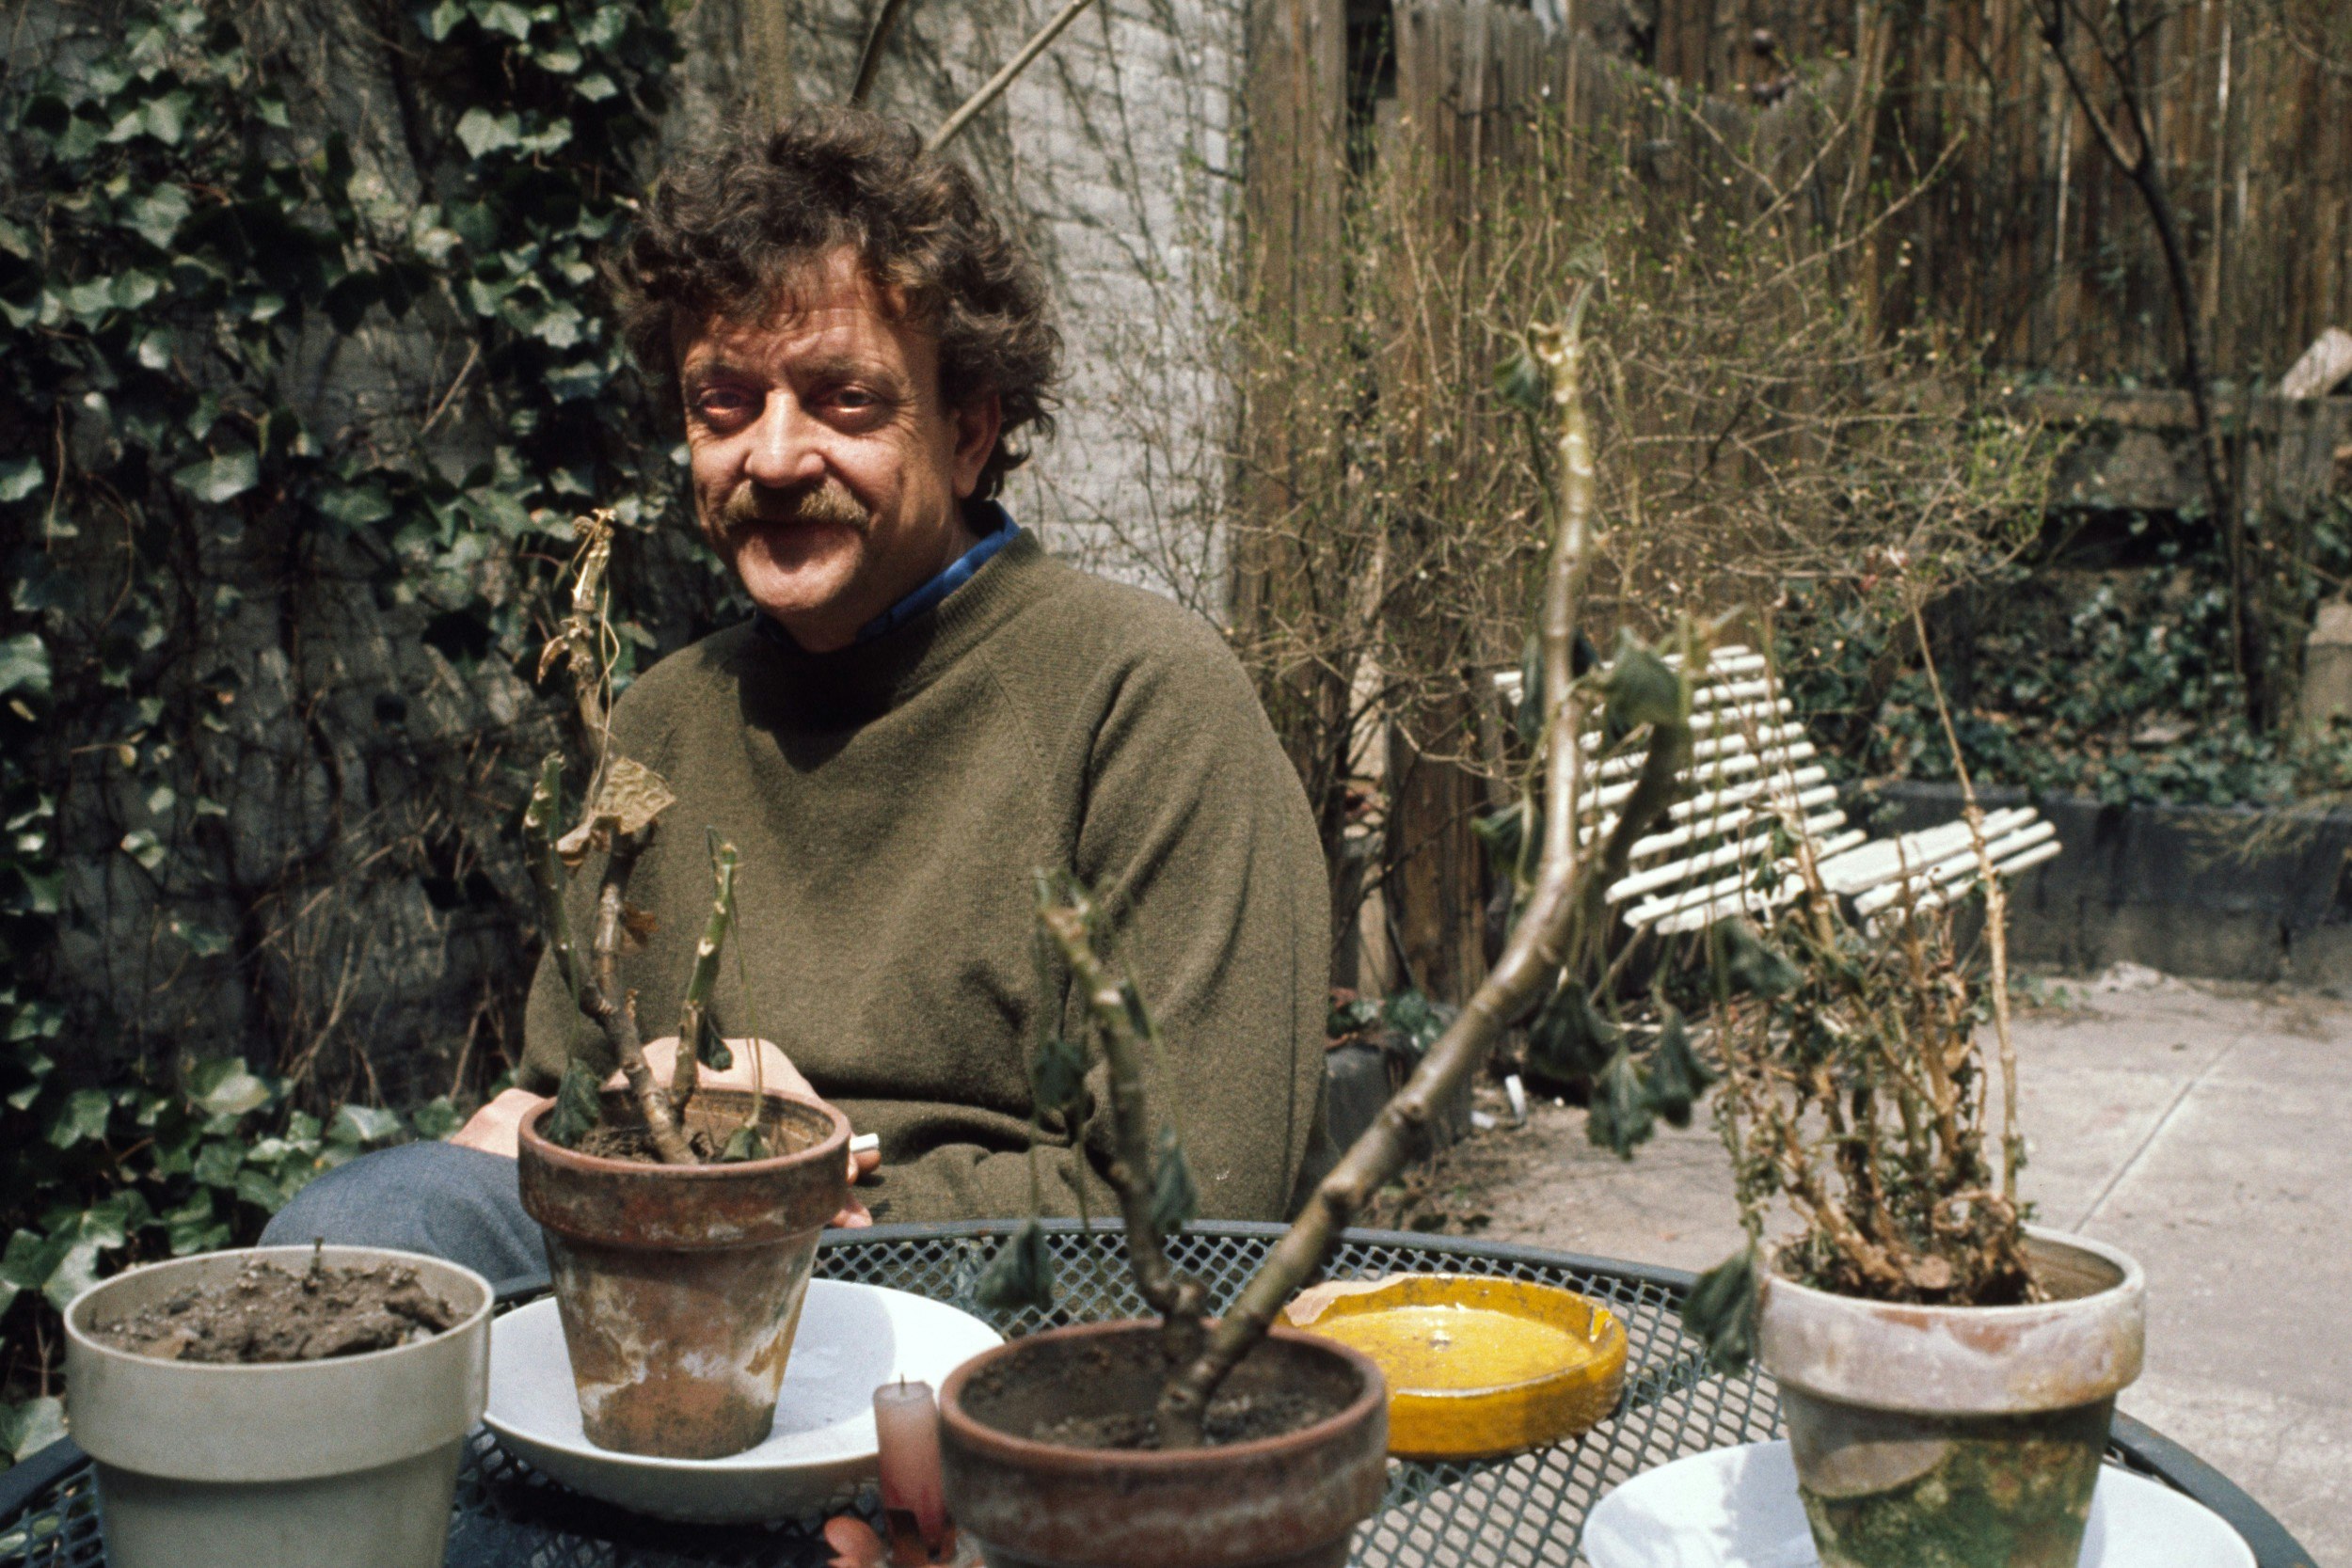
[1947, 1371]
[681, 1220]
[1194, 1441]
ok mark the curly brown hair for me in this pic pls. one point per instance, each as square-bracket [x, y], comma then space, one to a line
[729, 225]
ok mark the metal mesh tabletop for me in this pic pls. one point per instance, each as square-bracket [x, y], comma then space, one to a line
[1522, 1511]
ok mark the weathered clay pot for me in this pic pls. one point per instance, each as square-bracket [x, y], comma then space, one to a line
[680, 1285]
[1292, 1501]
[1965, 1435]
[349, 1461]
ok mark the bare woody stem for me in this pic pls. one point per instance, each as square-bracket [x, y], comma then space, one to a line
[547, 871]
[1180, 1299]
[1004, 78]
[686, 1072]
[615, 1010]
[1995, 913]
[1530, 960]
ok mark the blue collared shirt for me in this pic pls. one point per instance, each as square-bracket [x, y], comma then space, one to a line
[996, 529]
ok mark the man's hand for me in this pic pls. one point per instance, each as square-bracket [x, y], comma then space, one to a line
[497, 1128]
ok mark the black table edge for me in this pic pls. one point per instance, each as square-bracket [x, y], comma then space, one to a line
[2273, 1545]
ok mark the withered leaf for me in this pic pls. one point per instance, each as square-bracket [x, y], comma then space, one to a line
[638, 925]
[634, 795]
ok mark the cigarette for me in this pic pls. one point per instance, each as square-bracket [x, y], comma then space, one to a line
[865, 1141]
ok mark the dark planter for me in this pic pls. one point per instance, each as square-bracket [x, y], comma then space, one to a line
[680, 1287]
[1292, 1501]
[1962, 1434]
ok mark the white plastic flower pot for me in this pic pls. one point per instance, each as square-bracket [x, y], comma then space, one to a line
[350, 1462]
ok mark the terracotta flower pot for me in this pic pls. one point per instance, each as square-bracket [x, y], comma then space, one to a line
[680, 1285]
[278, 1464]
[1291, 1501]
[1956, 1434]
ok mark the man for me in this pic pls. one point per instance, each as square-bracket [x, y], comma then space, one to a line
[925, 710]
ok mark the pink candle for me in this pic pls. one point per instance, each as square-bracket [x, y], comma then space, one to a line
[906, 1422]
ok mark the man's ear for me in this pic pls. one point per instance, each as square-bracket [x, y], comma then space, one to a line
[977, 422]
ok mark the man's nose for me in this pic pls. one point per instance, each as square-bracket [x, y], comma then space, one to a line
[784, 452]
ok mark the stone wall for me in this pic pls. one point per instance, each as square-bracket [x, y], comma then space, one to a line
[1120, 147]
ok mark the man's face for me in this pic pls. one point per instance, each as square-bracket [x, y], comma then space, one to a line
[827, 472]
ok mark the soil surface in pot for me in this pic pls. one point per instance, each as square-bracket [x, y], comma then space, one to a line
[635, 1145]
[267, 1313]
[1236, 1415]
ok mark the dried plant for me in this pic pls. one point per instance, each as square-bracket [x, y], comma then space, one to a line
[1858, 1093]
[1642, 707]
[1387, 517]
[626, 802]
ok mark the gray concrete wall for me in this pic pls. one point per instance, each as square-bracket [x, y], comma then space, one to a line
[1120, 149]
[2225, 893]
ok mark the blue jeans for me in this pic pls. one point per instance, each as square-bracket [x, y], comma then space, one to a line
[436, 1198]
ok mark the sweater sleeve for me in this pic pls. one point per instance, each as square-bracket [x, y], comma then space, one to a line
[1196, 834]
[1198, 838]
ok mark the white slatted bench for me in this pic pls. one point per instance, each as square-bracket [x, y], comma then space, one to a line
[1752, 773]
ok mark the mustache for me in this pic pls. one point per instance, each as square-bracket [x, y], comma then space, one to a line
[828, 501]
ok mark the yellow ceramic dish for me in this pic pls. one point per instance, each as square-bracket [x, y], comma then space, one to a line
[1477, 1368]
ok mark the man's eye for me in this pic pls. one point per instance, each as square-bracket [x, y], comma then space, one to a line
[718, 403]
[854, 398]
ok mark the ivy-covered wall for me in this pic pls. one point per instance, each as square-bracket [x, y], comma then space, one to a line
[306, 370]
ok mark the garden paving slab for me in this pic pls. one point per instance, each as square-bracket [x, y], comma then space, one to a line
[2199, 1126]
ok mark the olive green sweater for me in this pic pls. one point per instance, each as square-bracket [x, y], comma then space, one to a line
[890, 802]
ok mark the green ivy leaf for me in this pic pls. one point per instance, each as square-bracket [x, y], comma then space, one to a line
[363, 1124]
[158, 213]
[21, 477]
[202, 939]
[1749, 962]
[26, 1265]
[1522, 383]
[745, 1143]
[1058, 1078]
[1619, 1119]
[1570, 1038]
[1722, 1308]
[220, 478]
[436, 1118]
[1020, 1273]
[1174, 1198]
[223, 1086]
[503, 16]
[26, 1428]
[81, 1118]
[257, 1188]
[578, 1107]
[25, 665]
[218, 1163]
[193, 1228]
[353, 505]
[1642, 690]
[484, 133]
[1677, 1076]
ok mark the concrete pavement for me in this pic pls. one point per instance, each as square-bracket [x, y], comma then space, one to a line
[2201, 1127]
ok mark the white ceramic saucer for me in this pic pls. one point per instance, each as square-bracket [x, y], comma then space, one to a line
[1738, 1508]
[852, 1339]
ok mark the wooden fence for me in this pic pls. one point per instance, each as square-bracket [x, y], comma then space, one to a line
[2026, 246]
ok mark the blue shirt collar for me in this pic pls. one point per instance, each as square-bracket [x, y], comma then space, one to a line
[997, 528]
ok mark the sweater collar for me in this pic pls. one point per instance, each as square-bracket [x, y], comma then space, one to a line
[988, 519]
[889, 663]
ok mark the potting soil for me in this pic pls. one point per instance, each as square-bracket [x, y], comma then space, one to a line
[635, 1145]
[267, 1313]
[1234, 1418]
